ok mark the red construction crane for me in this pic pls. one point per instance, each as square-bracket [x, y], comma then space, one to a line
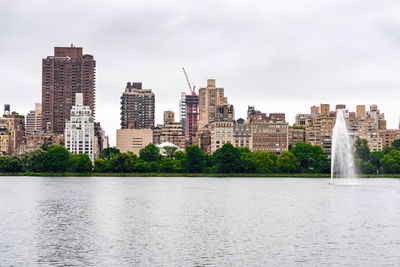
[192, 90]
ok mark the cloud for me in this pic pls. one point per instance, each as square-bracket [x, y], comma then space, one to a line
[281, 56]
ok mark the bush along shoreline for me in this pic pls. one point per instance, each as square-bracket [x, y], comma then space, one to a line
[303, 160]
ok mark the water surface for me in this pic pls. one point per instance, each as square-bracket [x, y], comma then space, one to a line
[117, 221]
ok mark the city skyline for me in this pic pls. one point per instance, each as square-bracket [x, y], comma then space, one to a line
[259, 58]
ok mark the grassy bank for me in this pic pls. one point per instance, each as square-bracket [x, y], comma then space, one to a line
[157, 174]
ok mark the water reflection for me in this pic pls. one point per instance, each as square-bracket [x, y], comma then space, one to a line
[197, 222]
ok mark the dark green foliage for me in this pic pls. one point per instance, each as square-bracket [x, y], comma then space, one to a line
[36, 161]
[195, 160]
[109, 152]
[391, 162]
[263, 161]
[362, 149]
[168, 165]
[396, 144]
[121, 163]
[375, 159]
[81, 163]
[150, 153]
[228, 159]
[141, 166]
[170, 151]
[11, 164]
[57, 159]
[310, 158]
[287, 162]
[102, 165]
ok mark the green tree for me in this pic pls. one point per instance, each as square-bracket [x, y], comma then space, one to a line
[375, 159]
[168, 165]
[150, 153]
[109, 152]
[248, 163]
[263, 161]
[287, 162]
[311, 158]
[170, 151]
[195, 159]
[141, 166]
[228, 159]
[57, 158]
[13, 164]
[81, 163]
[37, 160]
[102, 165]
[396, 144]
[122, 163]
[391, 162]
[362, 149]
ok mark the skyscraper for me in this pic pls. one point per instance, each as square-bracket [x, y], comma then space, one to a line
[137, 107]
[210, 98]
[182, 110]
[79, 130]
[34, 119]
[66, 73]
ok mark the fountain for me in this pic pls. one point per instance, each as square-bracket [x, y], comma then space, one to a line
[342, 160]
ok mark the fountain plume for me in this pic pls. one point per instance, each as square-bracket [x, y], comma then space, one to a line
[342, 160]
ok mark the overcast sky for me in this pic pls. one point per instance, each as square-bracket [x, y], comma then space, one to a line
[279, 55]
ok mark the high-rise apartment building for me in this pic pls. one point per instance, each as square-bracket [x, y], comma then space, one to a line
[192, 118]
[15, 125]
[210, 98]
[182, 110]
[79, 130]
[33, 121]
[137, 107]
[66, 73]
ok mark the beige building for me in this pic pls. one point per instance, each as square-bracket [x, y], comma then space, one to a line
[296, 134]
[33, 122]
[35, 140]
[319, 131]
[171, 132]
[169, 117]
[365, 128]
[242, 135]
[5, 140]
[388, 136]
[133, 139]
[221, 132]
[210, 98]
[270, 136]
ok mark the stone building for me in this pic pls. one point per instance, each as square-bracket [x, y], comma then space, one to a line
[33, 121]
[79, 130]
[133, 139]
[66, 73]
[137, 107]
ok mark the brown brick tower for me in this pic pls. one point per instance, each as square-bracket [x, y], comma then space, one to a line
[66, 73]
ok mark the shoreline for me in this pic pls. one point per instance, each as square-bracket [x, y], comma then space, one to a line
[216, 175]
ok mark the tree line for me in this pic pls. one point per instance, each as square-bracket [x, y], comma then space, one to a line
[302, 158]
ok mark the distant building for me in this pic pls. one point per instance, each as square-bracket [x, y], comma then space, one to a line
[192, 118]
[15, 125]
[5, 140]
[171, 133]
[33, 121]
[182, 110]
[137, 107]
[388, 136]
[270, 136]
[210, 98]
[35, 140]
[169, 117]
[79, 130]
[133, 139]
[242, 134]
[66, 73]
[296, 134]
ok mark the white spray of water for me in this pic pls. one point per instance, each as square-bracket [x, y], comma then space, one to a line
[342, 160]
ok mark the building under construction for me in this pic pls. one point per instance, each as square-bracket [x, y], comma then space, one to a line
[192, 115]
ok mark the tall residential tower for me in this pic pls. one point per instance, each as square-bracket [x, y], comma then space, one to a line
[66, 73]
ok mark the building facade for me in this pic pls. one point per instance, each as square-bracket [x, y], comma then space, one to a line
[210, 98]
[33, 121]
[137, 107]
[66, 73]
[133, 139]
[79, 130]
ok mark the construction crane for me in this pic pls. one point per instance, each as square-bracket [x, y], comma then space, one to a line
[192, 89]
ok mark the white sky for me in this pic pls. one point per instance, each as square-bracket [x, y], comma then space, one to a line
[277, 55]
